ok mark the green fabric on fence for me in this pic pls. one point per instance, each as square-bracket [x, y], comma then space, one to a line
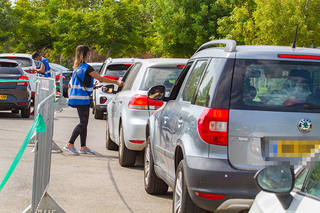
[3, 80]
[37, 125]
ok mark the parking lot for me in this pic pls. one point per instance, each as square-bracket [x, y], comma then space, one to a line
[78, 183]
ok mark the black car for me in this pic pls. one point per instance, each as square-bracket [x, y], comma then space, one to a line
[14, 96]
[66, 76]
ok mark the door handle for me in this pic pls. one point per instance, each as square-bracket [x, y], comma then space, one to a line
[120, 102]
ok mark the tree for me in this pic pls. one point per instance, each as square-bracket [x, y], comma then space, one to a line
[256, 22]
[8, 23]
[182, 26]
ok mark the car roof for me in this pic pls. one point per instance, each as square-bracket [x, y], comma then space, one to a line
[253, 51]
[163, 62]
[121, 60]
[25, 55]
[95, 63]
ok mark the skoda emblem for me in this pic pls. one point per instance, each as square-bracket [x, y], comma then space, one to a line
[304, 125]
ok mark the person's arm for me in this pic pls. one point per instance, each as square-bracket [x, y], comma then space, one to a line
[41, 70]
[95, 75]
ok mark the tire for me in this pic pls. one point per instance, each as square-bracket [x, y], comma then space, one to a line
[25, 113]
[98, 114]
[15, 111]
[127, 157]
[152, 184]
[110, 145]
[182, 202]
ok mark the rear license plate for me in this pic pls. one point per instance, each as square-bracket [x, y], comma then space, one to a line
[295, 148]
[3, 97]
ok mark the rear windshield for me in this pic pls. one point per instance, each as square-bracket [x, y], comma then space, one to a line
[23, 62]
[117, 70]
[160, 76]
[9, 68]
[276, 85]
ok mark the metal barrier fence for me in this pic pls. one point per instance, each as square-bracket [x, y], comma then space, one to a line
[41, 201]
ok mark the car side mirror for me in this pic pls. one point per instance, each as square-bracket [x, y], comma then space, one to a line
[156, 93]
[109, 89]
[277, 179]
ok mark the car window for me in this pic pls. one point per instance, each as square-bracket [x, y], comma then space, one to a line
[178, 83]
[129, 79]
[193, 81]
[23, 62]
[203, 97]
[313, 183]
[160, 76]
[275, 85]
[117, 70]
[9, 68]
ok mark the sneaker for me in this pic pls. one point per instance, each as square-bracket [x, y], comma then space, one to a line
[86, 150]
[32, 113]
[71, 149]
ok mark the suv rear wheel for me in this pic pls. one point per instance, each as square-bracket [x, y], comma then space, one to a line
[25, 113]
[181, 199]
[127, 157]
[98, 114]
[152, 184]
[110, 145]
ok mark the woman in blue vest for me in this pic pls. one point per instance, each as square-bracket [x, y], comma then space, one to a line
[44, 70]
[79, 96]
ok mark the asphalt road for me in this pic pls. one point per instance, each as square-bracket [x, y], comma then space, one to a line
[85, 183]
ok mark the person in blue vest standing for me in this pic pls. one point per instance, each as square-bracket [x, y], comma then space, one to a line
[44, 70]
[79, 97]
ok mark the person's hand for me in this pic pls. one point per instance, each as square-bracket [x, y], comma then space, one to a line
[120, 83]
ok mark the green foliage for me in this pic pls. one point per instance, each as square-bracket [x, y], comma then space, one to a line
[166, 28]
[182, 26]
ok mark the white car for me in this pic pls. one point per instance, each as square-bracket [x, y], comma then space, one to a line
[113, 69]
[284, 192]
[26, 63]
[127, 113]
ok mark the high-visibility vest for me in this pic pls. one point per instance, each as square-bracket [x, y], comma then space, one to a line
[46, 68]
[78, 93]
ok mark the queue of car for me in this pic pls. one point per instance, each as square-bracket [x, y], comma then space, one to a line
[231, 111]
[219, 127]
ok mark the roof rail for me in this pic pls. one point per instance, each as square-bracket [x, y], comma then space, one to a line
[230, 45]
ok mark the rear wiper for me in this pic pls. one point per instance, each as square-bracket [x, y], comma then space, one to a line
[310, 107]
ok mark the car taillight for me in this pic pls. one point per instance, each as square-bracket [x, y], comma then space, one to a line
[310, 57]
[111, 77]
[23, 77]
[213, 126]
[181, 65]
[141, 102]
[30, 71]
[58, 77]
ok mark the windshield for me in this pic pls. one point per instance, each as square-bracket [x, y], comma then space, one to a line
[276, 85]
[117, 70]
[57, 67]
[160, 76]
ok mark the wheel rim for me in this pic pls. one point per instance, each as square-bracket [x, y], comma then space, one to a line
[178, 193]
[147, 164]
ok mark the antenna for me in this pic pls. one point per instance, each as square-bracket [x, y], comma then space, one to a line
[295, 37]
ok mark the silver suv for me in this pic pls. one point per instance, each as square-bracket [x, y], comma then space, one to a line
[231, 109]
